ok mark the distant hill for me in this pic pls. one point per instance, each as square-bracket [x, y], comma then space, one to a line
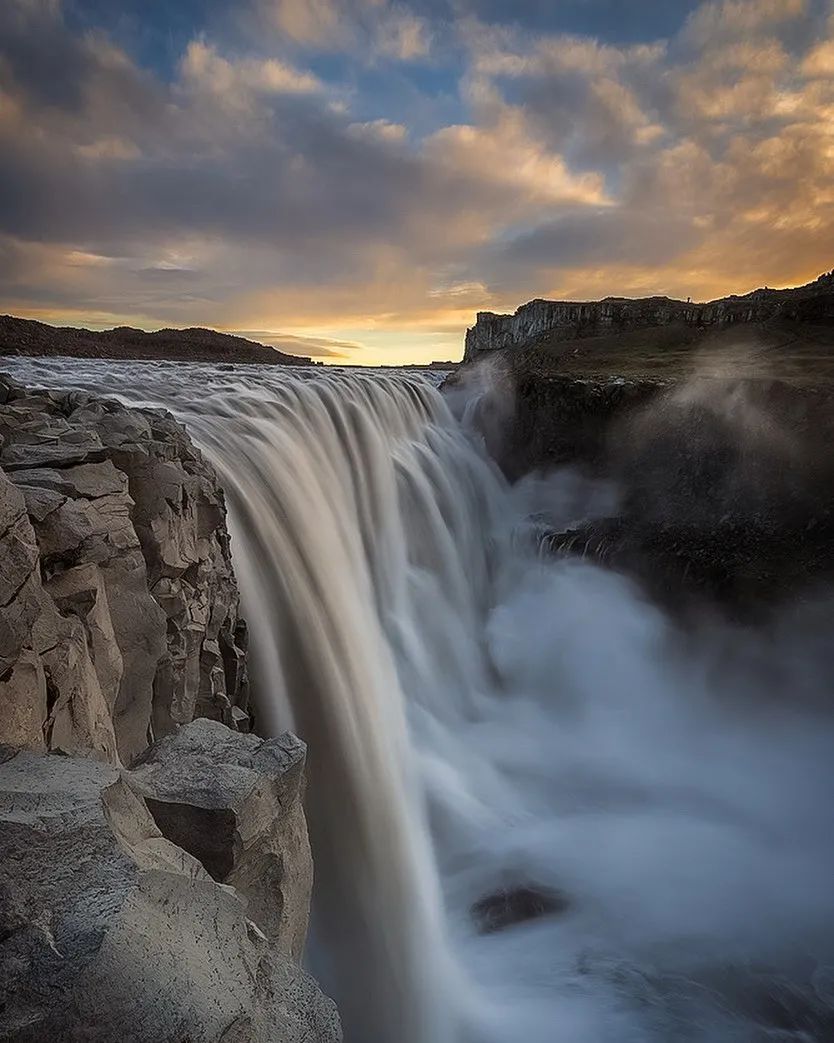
[27, 337]
[787, 334]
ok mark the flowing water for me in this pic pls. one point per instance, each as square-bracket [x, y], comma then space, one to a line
[481, 720]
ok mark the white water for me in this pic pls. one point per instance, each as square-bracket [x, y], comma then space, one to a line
[479, 718]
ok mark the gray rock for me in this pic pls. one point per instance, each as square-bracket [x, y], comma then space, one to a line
[108, 931]
[26, 456]
[19, 579]
[235, 802]
[23, 699]
[123, 495]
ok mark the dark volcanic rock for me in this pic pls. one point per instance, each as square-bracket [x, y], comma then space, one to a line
[515, 905]
[744, 568]
[726, 484]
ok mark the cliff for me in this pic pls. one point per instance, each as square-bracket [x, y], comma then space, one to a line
[28, 337]
[710, 419]
[174, 896]
[723, 484]
[562, 321]
[119, 607]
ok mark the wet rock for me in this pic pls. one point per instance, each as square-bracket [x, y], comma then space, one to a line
[235, 802]
[514, 905]
[724, 493]
[109, 931]
[744, 568]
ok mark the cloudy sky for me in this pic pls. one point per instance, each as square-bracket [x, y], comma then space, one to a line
[355, 178]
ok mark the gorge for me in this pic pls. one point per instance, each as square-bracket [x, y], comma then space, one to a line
[539, 801]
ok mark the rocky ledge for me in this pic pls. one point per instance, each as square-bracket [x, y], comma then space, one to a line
[114, 924]
[173, 897]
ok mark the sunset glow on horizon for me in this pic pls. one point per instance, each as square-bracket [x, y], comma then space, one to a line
[355, 179]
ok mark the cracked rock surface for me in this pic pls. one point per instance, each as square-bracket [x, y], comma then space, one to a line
[235, 803]
[119, 615]
[109, 931]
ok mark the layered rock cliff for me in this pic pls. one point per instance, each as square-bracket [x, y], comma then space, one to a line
[119, 609]
[570, 320]
[172, 898]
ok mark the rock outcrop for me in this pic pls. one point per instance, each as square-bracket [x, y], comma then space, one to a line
[109, 931]
[235, 803]
[118, 605]
[569, 320]
[517, 904]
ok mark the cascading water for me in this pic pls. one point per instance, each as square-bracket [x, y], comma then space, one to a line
[343, 508]
[480, 719]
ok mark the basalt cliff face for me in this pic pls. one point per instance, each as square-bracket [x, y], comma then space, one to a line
[570, 320]
[172, 897]
[713, 429]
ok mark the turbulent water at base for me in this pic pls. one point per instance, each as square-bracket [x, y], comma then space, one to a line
[481, 719]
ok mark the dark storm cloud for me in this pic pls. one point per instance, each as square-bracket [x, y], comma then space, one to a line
[601, 237]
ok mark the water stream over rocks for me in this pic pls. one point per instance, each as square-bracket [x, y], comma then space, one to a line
[539, 810]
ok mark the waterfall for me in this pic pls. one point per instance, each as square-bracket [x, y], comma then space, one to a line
[360, 514]
[482, 719]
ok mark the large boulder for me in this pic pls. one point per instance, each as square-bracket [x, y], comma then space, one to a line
[119, 616]
[109, 931]
[235, 803]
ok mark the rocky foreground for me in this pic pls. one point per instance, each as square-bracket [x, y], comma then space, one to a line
[155, 868]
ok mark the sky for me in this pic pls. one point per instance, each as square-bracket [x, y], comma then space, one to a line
[355, 179]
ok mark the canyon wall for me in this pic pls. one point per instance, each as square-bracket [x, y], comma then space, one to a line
[119, 607]
[723, 486]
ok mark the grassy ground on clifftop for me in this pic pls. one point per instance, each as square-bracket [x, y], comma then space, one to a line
[793, 352]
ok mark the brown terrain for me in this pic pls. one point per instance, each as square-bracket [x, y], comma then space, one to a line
[27, 337]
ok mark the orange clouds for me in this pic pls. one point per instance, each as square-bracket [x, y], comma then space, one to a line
[247, 188]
